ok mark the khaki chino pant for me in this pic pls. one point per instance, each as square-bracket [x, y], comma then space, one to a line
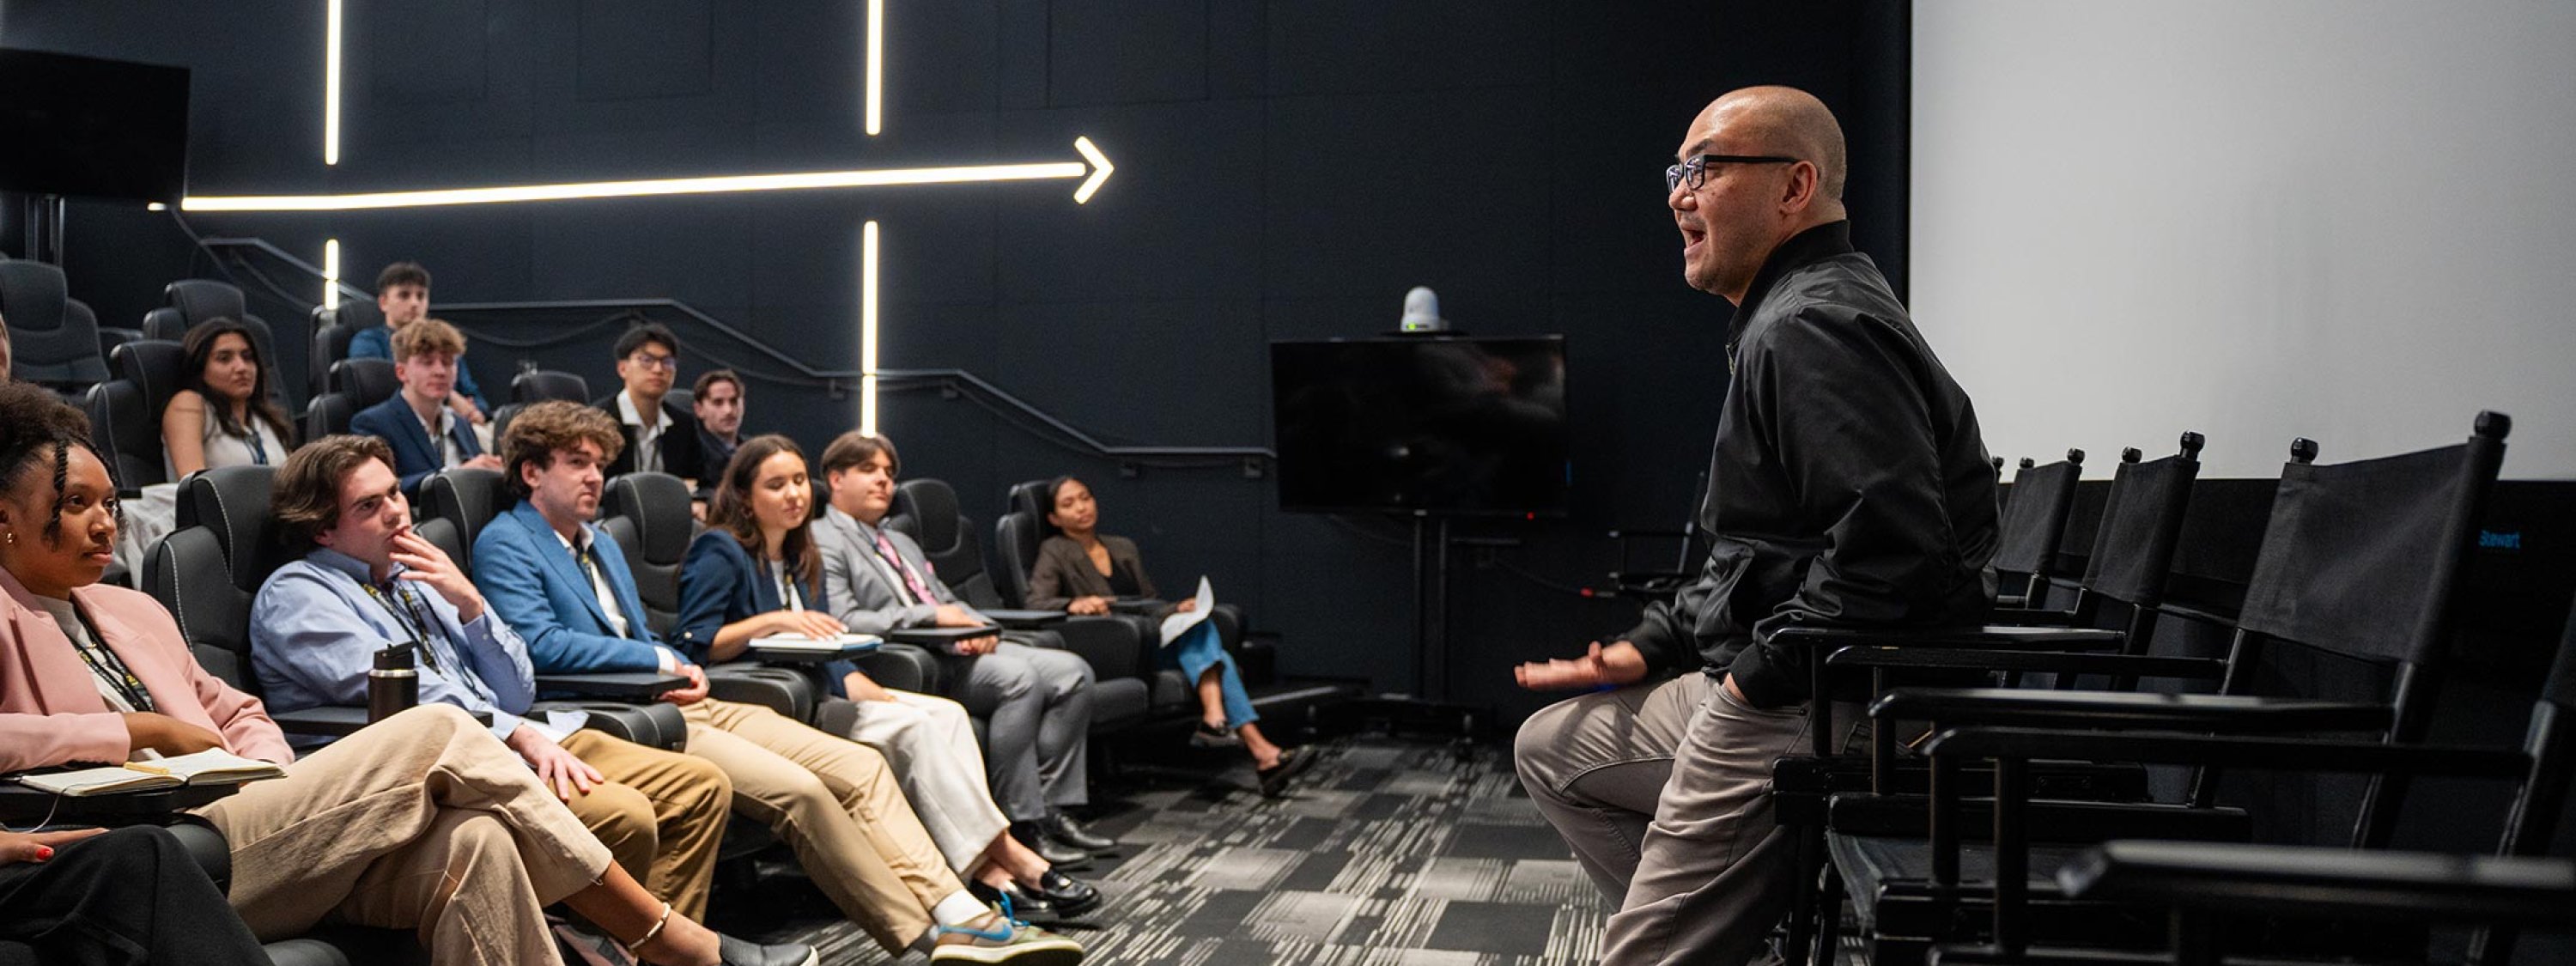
[838, 806]
[662, 814]
[423, 821]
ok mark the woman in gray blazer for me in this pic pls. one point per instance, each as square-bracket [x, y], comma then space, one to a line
[1082, 570]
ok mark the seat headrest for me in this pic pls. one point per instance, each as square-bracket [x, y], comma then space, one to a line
[183, 572]
[31, 296]
[358, 315]
[465, 498]
[155, 367]
[119, 429]
[442, 534]
[328, 415]
[659, 505]
[165, 323]
[365, 381]
[932, 505]
[545, 384]
[1030, 497]
[200, 299]
[1015, 550]
[232, 501]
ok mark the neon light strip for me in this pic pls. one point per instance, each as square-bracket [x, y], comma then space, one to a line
[331, 88]
[876, 67]
[331, 273]
[663, 186]
[1100, 168]
[868, 328]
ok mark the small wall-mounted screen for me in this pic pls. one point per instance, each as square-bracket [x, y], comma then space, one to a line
[86, 127]
[1421, 423]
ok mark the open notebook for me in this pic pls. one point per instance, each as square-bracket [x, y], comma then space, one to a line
[819, 645]
[213, 766]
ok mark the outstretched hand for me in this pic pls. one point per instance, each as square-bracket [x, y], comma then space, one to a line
[1616, 664]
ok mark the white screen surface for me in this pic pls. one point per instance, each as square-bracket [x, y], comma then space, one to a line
[2352, 220]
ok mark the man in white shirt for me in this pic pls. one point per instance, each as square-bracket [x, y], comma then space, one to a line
[661, 437]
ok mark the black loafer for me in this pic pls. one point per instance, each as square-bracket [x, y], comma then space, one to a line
[743, 952]
[1292, 763]
[1022, 904]
[1063, 828]
[1056, 853]
[1071, 897]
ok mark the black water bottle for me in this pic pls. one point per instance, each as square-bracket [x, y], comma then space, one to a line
[393, 687]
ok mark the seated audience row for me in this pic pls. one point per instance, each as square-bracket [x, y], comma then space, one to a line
[423, 821]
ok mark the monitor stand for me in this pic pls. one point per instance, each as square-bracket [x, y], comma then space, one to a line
[1427, 709]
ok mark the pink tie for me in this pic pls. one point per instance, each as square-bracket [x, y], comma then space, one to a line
[920, 591]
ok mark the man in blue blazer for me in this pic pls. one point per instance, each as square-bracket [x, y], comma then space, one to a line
[425, 434]
[563, 584]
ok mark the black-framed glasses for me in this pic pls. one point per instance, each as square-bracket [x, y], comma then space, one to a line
[1694, 172]
[650, 360]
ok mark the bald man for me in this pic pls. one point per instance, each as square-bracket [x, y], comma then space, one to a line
[1849, 486]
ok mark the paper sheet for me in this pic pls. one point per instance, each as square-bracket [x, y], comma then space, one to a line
[1181, 621]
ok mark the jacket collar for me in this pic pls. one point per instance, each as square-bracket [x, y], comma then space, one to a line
[1801, 250]
[113, 632]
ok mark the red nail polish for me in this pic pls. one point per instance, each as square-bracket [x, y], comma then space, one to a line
[44, 852]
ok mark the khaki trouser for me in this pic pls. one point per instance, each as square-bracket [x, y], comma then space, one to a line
[662, 814]
[1595, 764]
[836, 803]
[1664, 792]
[423, 821]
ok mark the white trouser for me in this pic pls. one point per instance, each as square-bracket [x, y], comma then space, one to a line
[931, 745]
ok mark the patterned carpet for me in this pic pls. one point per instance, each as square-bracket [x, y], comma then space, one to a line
[1391, 851]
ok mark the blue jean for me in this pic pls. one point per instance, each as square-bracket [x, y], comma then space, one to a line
[1198, 650]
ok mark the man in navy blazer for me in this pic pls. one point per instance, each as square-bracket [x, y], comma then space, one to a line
[425, 434]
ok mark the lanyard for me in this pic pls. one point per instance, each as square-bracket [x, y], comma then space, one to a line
[258, 447]
[420, 625]
[110, 668]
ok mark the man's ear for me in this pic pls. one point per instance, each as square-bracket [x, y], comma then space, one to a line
[1805, 182]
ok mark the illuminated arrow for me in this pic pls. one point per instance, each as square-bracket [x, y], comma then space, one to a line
[1093, 175]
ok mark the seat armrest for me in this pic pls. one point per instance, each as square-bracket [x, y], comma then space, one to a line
[903, 667]
[2104, 709]
[1026, 620]
[624, 685]
[789, 691]
[338, 720]
[936, 639]
[1115, 646]
[1856, 813]
[2030, 617]
[2233, 751]
[21, 806]
[2308, 881]
[2061, 662]
[1996, 635]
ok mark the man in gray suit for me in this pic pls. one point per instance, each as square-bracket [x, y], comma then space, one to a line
[1036, 701]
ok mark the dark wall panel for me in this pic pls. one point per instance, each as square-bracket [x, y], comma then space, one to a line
[1285, 170]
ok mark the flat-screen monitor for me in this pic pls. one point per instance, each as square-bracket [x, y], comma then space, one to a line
[1431, 424]
[87, 127]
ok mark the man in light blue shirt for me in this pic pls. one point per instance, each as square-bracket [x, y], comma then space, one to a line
[367, 581]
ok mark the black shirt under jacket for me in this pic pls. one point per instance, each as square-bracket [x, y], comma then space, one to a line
[1849, 485]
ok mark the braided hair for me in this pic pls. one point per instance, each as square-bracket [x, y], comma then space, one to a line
[36, 427]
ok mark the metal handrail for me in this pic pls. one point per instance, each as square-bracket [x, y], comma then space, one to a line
[831, 379]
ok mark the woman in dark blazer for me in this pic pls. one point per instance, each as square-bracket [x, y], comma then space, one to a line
[1082, 570]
